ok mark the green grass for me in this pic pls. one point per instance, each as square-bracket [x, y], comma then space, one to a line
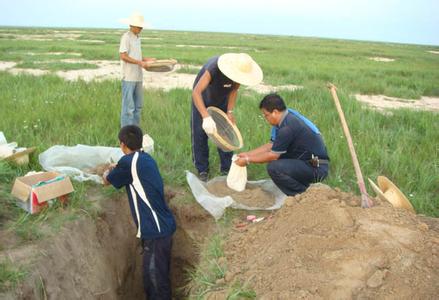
[205, 277]
[46, 111]
[10, 275]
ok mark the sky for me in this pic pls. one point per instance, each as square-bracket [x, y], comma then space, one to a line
[409, 21]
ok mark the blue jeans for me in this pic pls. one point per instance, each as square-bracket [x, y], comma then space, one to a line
[132, 103]
[156, 267]
[293, 176]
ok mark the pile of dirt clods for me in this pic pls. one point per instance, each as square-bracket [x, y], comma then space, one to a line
[323, 245]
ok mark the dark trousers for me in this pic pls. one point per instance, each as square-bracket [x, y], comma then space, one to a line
[293, 176]
[156, 266]
[200, 148]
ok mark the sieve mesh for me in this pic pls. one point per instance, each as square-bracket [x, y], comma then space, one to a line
[227, 136]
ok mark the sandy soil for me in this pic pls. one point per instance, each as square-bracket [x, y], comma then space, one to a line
[222, 47]
[381, 59]
[433, 52]
[322, 245]
[101, 259]
[252, 196]
[383, 103]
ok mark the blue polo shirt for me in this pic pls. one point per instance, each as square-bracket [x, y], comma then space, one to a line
[217, 92]
[139, 173]
[297, 138]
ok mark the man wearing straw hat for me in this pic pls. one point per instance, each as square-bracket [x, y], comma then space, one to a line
[132, 64]
[217, 85]
[296, 154]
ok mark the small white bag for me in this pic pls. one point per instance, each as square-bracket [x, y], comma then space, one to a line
[237, 178]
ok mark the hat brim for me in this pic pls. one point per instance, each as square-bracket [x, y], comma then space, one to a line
[127, 21]
[377, 190]
[227, 65]
[397, 198]
[21, 157]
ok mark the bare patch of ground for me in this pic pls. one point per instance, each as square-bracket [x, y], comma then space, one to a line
[34, 72]
[322, 245]
[381, 59]
[381, 102]
[4, 65]
[108, 69]
[208, 46]
[43, 37]
[433, 52]
[266, 88]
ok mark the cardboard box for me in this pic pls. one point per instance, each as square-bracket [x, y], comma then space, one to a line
[35, 190]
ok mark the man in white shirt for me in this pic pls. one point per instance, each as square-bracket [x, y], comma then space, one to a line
[132, 63]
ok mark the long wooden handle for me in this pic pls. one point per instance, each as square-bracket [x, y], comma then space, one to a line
[366, 202]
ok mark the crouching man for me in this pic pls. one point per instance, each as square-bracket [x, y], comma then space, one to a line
[296, 154]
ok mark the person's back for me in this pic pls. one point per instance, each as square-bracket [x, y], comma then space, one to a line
[155, 223]
[139, 173]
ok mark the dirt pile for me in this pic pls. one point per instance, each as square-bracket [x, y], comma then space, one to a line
[322, 245]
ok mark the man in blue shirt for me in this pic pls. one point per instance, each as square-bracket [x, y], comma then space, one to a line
[296, 154]
[138, 172]
[217, 85]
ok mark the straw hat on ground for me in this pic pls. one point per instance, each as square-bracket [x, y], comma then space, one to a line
[21, 157]
[240, 68]
[387, 191]
[136, 19]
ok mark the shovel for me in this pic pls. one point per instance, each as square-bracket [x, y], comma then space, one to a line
[366, 202]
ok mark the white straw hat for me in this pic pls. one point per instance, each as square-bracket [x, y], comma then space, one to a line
[240, 68]
[387, 191]
[136, 19]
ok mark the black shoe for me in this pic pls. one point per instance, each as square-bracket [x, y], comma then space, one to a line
[203, 176]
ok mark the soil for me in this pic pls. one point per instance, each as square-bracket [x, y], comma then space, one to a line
[252, 196]
[383, 103]
[322, 245]
[101, 258]
[381, 59]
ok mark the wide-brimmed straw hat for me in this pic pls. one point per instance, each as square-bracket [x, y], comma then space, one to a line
[21, 157]
[387, 191]
[240, 68]
[136, 19]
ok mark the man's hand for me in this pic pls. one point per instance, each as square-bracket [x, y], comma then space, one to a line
[209, 125]
[146, 62]
[243, 160]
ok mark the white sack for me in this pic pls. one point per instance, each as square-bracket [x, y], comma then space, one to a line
[237, 177]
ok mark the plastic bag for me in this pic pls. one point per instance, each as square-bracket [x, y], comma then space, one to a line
[148, 144]
[216, 205]
[75, 161]
[237, 177]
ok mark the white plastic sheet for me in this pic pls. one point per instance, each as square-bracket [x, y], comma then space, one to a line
[72, 161]
[216, 205]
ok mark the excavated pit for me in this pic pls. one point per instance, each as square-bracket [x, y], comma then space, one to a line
[101, 259]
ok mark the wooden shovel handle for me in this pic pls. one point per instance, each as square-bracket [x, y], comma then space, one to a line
[366, 202]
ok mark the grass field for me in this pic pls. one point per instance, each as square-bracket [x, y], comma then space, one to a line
[46, 110]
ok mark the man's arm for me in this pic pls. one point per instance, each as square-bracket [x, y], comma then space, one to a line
[231, 103]
[261, 154]
[126, 58]
[196, 94]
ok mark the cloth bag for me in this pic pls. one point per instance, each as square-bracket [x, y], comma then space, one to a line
[237, 177]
